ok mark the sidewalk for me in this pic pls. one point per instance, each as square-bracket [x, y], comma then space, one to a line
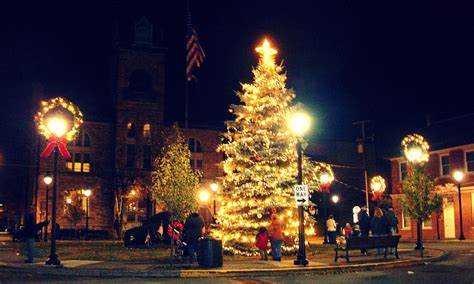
[319, 263]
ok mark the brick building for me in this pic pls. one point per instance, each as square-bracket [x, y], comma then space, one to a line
[441, 165]
[123, 147]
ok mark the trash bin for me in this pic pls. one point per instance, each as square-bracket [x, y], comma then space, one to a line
[209, 253]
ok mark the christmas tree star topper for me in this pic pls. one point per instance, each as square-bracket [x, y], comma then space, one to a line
[267, 52]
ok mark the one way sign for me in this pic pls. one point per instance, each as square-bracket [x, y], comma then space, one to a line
[301, 195]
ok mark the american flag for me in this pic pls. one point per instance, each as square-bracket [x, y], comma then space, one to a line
[195, 55]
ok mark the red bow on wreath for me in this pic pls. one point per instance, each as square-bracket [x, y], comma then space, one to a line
[53, 141]
[377, 195]
[324, 187]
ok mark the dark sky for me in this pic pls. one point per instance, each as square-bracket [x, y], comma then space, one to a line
[391, 62]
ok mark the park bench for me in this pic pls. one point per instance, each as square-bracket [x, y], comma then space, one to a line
[372, 242]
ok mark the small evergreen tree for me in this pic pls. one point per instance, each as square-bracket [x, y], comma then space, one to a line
[74, 214]
[420, 200]
[174, 182]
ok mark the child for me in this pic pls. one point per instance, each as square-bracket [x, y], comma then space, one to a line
[262, 243]
[356, 230]
[347, 230]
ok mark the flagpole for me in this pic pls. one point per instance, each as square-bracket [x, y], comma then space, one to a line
[186, 105]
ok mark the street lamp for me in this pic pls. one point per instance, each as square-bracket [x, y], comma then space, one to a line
[204, 196]
[416, 151]
[58, 121]
[214, 188]
[458, 176]
[335, 199]
[87, 193]
[48, 179]
[299, 124]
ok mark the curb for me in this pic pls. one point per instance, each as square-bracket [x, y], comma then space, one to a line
[203, 273]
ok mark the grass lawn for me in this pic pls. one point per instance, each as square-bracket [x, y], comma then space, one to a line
[115, 251]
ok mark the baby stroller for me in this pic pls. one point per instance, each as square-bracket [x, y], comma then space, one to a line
[180, 246]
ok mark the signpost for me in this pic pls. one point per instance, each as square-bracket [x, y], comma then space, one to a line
[301, 195]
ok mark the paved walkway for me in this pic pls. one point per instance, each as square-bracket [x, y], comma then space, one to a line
[318, 263]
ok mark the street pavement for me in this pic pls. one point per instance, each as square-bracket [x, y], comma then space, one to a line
[460, 260]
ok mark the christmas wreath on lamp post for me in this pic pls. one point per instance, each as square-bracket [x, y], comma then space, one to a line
[58, 121]
[377, 184]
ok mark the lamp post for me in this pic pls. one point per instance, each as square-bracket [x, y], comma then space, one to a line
[87, 193]
[299, 124]
[458, 176]
[47, 180]
[214, 188]
[58, 121]
[415, 150]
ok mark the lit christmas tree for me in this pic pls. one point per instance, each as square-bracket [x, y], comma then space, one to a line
[261, 164]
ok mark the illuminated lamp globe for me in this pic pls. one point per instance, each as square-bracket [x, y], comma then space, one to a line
[458, 176]
[57, 124]
[325, 178]
[214, 186]
[204, 196]
[87, 192]
[48, 179]
[415, 154]
[299, 123]
[68, 200]
[335, 198]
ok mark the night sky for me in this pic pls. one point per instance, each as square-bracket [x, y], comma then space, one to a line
[392, 63]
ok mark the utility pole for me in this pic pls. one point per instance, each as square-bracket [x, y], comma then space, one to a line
[361, 150]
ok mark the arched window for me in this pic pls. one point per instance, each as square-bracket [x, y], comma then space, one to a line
[147, 131]
[80, 161]
[131, 130]
[195, 145]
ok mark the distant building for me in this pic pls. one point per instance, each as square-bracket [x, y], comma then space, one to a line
[122, 148]
[442, 163]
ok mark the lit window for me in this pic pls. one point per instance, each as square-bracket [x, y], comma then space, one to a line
[79, 163]
[427, 223]
[444, 165]
[406, 220]
[131, 130]
[470, 161]
[195, 146]
[147, 130]
[403, 170]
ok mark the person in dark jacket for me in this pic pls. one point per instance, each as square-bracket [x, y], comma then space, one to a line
[29, 234]
[364, 225]
[380, 226]
[393, 221]
[194, 229]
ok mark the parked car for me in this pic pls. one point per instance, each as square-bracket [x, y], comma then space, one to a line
[135, 237]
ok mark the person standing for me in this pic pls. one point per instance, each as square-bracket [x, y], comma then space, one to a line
[331, 227]
[194, 229]
[261, 242]
[380, 226]
[276, 237]
[393, 222]
[30, 234]
[364, 224]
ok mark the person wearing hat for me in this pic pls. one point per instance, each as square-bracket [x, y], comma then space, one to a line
[276, 237]
[364, 224]
[393, 221]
